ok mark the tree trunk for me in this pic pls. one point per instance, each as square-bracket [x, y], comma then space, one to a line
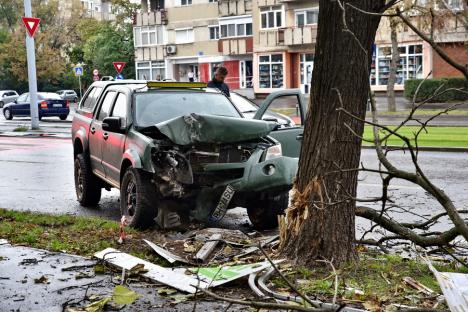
[320, 223]
[393, 66]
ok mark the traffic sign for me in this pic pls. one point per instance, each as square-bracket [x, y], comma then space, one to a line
[119, 77]
[95, 72]
[31, 24]
[119, 66]
[78, 71]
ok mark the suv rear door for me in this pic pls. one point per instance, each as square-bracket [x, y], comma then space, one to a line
[283, 107]
[96, 135]
[114, 143]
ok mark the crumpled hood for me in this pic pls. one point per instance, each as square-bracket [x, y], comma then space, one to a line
[194, 128]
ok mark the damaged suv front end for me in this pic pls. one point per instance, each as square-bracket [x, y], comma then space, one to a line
[203, 164]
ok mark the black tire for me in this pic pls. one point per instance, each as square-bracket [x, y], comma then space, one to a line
[138, 200]
[87, 186]
[7, 113]
[40, 117]
[263, 213]
[63, 117]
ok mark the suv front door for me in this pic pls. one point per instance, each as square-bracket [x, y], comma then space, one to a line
[96, 135]
[114, 143]
[288, 109]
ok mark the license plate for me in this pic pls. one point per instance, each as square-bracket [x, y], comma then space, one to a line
[57, 105]
[220, 210]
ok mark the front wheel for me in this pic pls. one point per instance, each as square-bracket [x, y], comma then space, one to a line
[264, 212]
[87, 185]
[138, 200]
[7, 113]
[63, 117]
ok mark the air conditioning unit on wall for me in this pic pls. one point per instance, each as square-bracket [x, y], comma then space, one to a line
[171, 49]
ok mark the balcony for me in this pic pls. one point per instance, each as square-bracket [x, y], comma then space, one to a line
[235, 46]
[288, 36]
[234, 7]
[150, 18]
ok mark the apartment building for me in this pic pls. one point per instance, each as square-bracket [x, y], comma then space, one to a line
[175, 39]
[269, 44]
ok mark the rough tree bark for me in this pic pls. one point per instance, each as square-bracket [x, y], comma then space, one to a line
[393, 66]
[320, 223]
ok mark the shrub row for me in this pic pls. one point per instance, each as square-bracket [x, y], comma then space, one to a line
[429, 88]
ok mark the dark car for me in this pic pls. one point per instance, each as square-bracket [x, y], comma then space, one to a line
[49, 104]
[169, 145]
[69, 95]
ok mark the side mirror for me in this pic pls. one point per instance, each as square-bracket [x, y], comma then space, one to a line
[112, 124]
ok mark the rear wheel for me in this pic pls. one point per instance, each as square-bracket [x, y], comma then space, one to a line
[263, 213]
[7, 113]
[87, 185]
[63, 117]
[138, 200]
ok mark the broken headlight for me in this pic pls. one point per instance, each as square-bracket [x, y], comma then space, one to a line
[274, 151]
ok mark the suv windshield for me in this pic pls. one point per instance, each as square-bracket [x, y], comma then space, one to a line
[154, 107]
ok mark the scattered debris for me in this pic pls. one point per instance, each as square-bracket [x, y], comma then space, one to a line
[98, 306]
[186, 280]
[416, 285]
[203, 254]
[123, 224]
[253, 249]
[454, 287]
[41, 280]
[165, 253]
[3, 241]
[27, 261]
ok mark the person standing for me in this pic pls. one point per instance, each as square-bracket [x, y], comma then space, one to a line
[191, 76]
[218, 81]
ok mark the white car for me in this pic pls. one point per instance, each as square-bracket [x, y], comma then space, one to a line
[7, 96]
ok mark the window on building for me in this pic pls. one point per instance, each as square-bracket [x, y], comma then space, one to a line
[184, 35]
[185, 2]
[148, 35]
[271, 17]
[212, 1]
[455, 4]
[154, 70]
[214, 32]
[307, 17]
[410, 65]
[236, 28]
[271, 71]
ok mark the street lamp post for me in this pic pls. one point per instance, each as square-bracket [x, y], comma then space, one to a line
[31, 71]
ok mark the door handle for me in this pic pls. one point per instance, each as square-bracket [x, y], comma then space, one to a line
[92, 130]
[105, 135]
[299, 137]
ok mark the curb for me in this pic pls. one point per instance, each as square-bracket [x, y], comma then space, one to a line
[33, 135]
[426, 148]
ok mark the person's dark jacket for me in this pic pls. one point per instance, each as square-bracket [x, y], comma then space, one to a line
[221, 86]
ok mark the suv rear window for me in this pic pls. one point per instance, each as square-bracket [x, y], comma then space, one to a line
[155, 107]
[91, 99]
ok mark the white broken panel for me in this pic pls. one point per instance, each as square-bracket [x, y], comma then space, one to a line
[155, 272]
[165, 253]
[455, 289]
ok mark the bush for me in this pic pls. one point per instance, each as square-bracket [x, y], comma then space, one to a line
[430, 86]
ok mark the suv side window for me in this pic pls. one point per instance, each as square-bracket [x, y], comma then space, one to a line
[90, 101]
[120, 106]
[106, 105]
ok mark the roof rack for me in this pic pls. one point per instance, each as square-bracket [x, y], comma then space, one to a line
[174, 84]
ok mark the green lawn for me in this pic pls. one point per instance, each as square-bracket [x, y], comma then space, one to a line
[435, 136]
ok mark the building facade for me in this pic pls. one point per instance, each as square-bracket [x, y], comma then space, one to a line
[269, 45]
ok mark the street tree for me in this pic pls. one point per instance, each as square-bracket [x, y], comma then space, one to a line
[320, 224]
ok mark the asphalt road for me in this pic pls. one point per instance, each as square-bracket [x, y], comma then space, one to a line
[37, 175]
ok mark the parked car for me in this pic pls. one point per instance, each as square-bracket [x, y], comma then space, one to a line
[49, 104]
[166, 144]
[7, 96]
[69, 95]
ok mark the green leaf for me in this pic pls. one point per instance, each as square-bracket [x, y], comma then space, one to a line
[123, 295]
[98, 306]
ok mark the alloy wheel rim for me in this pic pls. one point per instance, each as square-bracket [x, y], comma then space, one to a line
[79, 181]
[130, 199]
[7, 113]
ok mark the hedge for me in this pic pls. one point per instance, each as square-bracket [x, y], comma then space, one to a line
[429, 87]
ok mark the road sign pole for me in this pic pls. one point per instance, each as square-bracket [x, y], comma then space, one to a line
[31, 71]
[79, 82]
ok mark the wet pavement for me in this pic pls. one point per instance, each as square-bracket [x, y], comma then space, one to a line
[37, 175]
[37, 280]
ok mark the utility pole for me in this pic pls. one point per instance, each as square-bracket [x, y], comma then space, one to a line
[31, 71]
